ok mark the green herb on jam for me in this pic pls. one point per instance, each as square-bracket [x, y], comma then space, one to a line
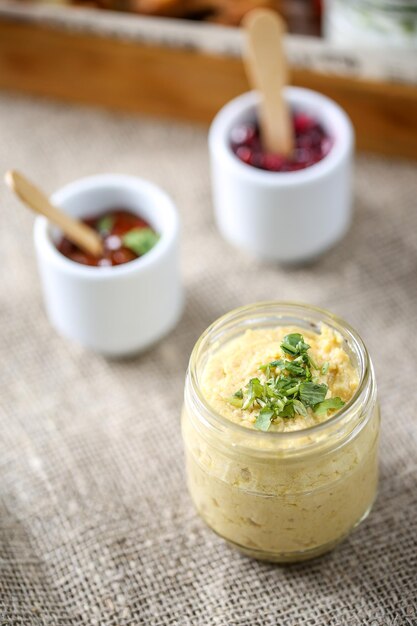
[105, 224]
[288, 387]
[140, 240]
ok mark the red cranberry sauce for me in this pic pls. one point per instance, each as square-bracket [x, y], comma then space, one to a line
[111, 225]
[311, 145]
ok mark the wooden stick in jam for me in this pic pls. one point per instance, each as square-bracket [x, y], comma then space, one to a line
[77, 232]
[267, 70]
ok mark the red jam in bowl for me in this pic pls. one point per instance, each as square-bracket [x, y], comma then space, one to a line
[126, 236]
[312, 143]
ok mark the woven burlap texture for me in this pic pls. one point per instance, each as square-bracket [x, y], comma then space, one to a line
[96, 526]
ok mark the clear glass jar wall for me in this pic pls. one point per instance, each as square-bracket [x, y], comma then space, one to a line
[281, 496]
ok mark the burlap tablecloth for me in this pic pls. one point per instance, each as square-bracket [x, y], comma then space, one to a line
[96, 526]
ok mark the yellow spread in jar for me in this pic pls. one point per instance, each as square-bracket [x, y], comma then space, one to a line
[239, 361]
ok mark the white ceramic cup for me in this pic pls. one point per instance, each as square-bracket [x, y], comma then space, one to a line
[117, 310]
[288, 217]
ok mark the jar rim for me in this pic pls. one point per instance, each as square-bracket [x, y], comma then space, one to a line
[337, 323]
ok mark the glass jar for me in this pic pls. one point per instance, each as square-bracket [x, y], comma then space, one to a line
[281, 496]
[381, 22]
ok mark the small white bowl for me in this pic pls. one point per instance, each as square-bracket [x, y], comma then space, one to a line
[117, 310]
[283, 216]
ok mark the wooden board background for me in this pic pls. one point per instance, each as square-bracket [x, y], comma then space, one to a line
[183, 84]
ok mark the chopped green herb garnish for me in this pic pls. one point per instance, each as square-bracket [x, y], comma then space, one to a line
[297, 369]
[140, 240]
[237, 399]
[300, 408]
[287, 387]
[294, 344]
[263, 421]
[331, 404]
[105, 224]
[255, 390]
[312, 393]
[280, 363]
[288, 410]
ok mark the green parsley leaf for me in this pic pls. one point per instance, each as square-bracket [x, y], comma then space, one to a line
[299, 408]
[290, 343]
[313, 363]
[288, 410]
[237, 399]
[287, 386]
[293, 344]
[278, 364]
[255, 389]
[278, 405]
[325, 368]
[105, 224]
[331, 404]
[140, 240]
[312, 393]
[263, 421]
[295, 368]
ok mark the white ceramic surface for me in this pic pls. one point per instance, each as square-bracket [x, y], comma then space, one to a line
[288, 217]
[117, 310]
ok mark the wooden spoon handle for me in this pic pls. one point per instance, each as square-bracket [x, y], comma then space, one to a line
[267, 70]
[77, 232]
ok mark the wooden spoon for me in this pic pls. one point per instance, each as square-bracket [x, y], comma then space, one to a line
[78, 233]
[267, 70]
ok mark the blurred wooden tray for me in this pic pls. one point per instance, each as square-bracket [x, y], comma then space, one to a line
[161, 75]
